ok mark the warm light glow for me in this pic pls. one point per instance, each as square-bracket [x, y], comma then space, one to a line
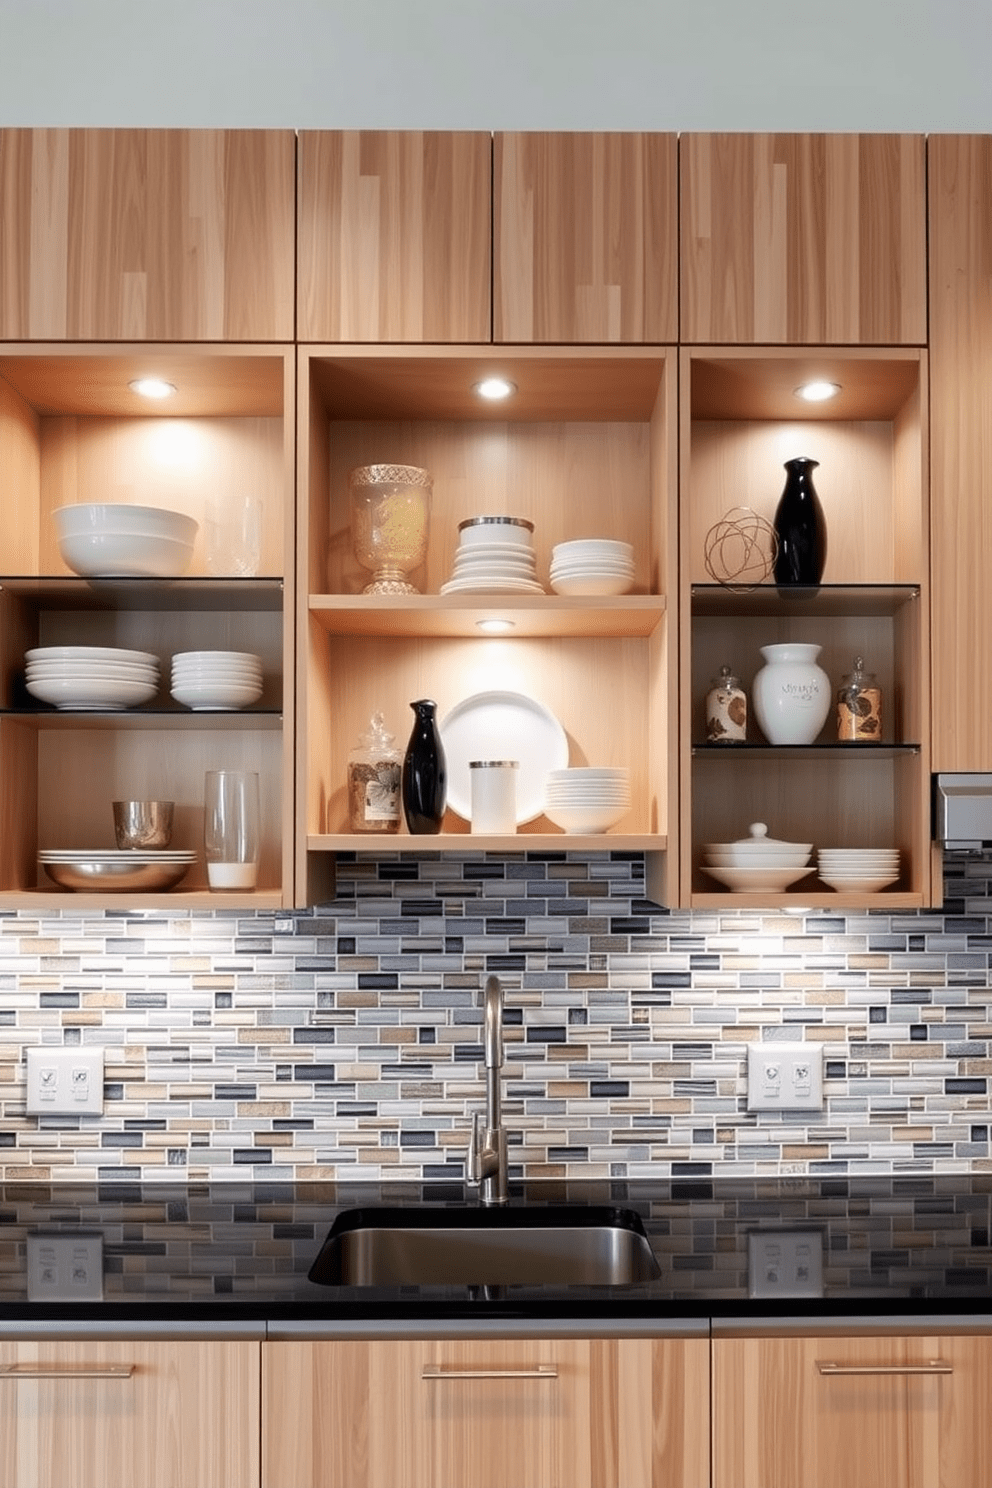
[495, 627]
[818, 392]
[495, 388]
[152, 387]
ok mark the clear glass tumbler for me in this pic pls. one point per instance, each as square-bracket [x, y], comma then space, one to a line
[231, 833]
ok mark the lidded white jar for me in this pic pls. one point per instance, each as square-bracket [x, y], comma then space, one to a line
[791, 695]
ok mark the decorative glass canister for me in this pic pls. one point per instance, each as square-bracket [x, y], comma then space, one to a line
[726, 710]
[374, 769]
[859, 706]
[390, 514]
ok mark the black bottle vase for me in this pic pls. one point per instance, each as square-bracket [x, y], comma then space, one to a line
[425, 774]
[800, 529]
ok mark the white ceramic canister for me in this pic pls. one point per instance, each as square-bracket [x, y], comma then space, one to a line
[494, 795]
[791, 694]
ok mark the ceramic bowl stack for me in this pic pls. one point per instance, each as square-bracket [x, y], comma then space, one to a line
[91, 678]
[592, 565]
[216, 681]
[496, 556]
[586, 799]
[107, 539]
[757, 863]
[860, 870]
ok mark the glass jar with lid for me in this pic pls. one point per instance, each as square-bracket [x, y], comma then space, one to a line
[726, 710]
[859, 706]
[374, 769]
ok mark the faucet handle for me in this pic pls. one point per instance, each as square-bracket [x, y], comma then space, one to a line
[473, 1164]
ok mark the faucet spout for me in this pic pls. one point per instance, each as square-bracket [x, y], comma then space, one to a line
[487, 1149]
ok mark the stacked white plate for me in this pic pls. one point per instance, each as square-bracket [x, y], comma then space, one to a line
[757, 863]
[91, 678]
[216, 680]
[586, 799]
[592, 565]
[496, 556]
[858, 869]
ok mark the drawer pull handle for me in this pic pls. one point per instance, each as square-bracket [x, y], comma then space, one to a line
[933, 1366]
[52, 1371]
[543, 1372]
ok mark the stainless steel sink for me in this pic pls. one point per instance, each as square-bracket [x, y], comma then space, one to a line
[533, 1245]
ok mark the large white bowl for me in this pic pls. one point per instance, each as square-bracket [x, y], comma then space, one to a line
[859, 883]
[91, 653]
[756, 880]
[481, 531]
[74, 694]
[115, 540]
[585, 817]
[593, 584]
[792, 859]
[216, 696]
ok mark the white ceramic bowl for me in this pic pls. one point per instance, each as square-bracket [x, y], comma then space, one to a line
[216, 696]
[248, 657]
[754, 880]
[481, 531]
[90, 653]
[585, 818]
[95, 694]
[797, 859]
[593, 547]
[857, 883]
[593, 584]
[114, 540]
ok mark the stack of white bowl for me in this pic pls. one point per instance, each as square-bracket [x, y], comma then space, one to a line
[858, 870]
[91, 678]
[495, 555]
[592, 565]
[216, 680]
[107, 539]
[586, 799]
[757, 863]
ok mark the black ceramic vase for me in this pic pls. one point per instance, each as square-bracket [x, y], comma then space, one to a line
[425, 775]
[800, 529]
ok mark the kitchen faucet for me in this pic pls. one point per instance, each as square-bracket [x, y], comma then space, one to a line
[487, 1146]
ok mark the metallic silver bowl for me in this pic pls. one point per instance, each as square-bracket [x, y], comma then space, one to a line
[111, 876]
[143, 823]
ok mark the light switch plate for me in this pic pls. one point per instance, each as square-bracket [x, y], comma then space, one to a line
[65, 1267]
[64, 1081]
[784, 1077]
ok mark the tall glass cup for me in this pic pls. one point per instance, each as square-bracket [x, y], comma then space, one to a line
[231, 828]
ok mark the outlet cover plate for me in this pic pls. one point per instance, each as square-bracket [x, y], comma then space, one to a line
[784, 1077]
[64, 1081]
[65, 1267]
[785, 1263]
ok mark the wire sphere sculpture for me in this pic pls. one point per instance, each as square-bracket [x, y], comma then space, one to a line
[740, 550]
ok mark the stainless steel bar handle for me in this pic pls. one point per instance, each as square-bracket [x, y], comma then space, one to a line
[932, 1366]
[543, 1372]
[53, 1371]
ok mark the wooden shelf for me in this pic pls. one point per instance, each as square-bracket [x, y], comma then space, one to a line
[70, 900]
[473, 843]
[449, 615]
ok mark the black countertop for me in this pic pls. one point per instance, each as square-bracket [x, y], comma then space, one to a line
[897, 1247]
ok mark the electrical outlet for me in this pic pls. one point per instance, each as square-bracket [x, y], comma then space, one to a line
[65, 1267]
[785, 1263]
[65, 1081]
[784, 1077]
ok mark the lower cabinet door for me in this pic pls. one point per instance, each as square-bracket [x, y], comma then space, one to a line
[575, 1413]
[129, 1415]
[846, 1412]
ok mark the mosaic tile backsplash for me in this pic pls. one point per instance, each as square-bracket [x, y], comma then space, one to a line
[344, 1043]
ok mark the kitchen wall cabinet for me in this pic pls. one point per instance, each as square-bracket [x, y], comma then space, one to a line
[129, 1414]
[584, 449]
[882, 1412]
[394, 236]
[585, 238]
[145, 235]
[72, 430]
[803, 239]
[960, 186]
[562, 1413]
[740, 420]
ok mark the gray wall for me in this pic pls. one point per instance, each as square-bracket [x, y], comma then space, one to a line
[903, 65]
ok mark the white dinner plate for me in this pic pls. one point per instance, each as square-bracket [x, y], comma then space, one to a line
[503, 725]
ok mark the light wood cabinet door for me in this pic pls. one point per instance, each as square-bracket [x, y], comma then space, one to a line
[858, 1412]
[138, 234]
[586, 242]
[577, 1413]
[394, 240]
[960, 187]
[803, 239]
[129, 1415]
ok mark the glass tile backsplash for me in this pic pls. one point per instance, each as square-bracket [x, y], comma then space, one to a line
[344, 1043]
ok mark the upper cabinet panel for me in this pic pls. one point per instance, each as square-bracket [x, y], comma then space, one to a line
[803, 239]
[960, 184]
[139, 235]
[586, 238]
[395, 236]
